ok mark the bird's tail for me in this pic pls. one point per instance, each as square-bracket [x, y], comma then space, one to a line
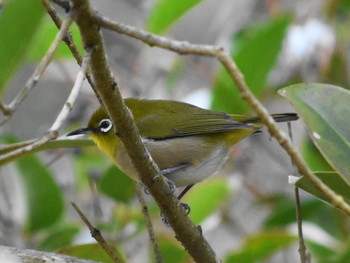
[256, 122]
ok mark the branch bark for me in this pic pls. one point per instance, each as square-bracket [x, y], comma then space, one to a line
[186, 232]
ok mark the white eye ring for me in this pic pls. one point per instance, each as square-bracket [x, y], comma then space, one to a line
[105, 125]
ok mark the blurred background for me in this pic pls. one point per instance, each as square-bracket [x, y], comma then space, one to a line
[249, 208]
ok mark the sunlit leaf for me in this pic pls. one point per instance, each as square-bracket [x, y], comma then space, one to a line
[326, 112]
[165, 12]
[259, 247]
[206, 197]
[115, 184]
[19, 20]
[255, 53]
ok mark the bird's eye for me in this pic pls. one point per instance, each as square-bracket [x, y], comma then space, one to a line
[105, 125]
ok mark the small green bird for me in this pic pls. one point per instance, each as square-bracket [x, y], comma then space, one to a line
[188, 143]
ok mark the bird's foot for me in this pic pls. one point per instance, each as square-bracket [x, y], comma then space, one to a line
[187, 210]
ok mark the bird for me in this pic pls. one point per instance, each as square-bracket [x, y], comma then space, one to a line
[188, 143]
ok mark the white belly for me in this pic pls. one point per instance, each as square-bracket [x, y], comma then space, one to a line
[195, 158]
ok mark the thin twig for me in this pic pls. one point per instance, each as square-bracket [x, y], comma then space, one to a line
[52, 132]
[182, 47]
[302, 248]
[299, 217]
[39, 70]
[96, 234]
[150, 229]
[68, 39]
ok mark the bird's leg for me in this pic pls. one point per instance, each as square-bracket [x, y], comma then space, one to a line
[184, 205]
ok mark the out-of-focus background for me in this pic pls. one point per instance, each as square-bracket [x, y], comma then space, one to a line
[247, 212]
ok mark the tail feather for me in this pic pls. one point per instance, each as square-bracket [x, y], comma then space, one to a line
[283, 117]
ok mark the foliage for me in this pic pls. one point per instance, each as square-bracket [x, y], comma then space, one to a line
[49, 225]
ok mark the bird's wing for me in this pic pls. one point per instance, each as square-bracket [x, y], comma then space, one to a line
[159, 119]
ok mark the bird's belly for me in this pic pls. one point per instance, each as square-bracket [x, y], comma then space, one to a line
[196, 158]
[194, 173]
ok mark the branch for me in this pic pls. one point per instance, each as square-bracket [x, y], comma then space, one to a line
[68, 39]
[96, 234]
[186, 232]
[32, 81]
[148, 221]
[52, 132]
[182, 47]
[11, 254]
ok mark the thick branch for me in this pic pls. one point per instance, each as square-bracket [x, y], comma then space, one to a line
[186, 232]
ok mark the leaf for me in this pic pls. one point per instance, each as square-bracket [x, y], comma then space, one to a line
[58, 238]
[19, 20]
[206, 197]
[164, 13]
[172, 251]
[46, 34]
[115, 184]
[332, 180]
[259, 247]
[90, 252]
[255, 54]
[44, 197]
[325, 110]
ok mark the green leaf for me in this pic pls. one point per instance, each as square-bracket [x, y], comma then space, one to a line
[255, 54]
[332, 180]
[59, 237]
[44, 197]
[19, 21]
[325, 110]
[259, 247]
[165, 12]
[172, 251]
[206, 197]
[89, 252]
[115, 184]
[313, 157]
[46, 34]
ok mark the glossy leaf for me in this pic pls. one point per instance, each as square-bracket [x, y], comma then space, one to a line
[164, 13]
[89, 252]
[43, 195]
[325, 110]
[261, 246]
[255, 53]
[115, 184]
[19, 20]
[206, 197]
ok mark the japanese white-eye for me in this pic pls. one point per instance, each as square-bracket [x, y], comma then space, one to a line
[188, 143]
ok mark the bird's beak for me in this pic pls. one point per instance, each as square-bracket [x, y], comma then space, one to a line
[82, 131]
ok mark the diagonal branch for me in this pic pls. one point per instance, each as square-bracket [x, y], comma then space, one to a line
[186, 232]
[52, 132]
[68, 39]
[32, 81]
[182, 47]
